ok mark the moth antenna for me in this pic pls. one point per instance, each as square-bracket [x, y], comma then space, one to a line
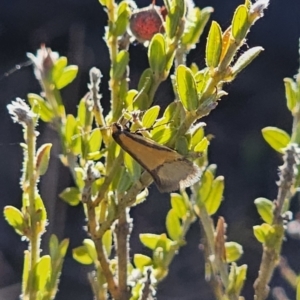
[16, 68]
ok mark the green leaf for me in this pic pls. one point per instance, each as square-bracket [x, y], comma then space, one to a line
[71, 195]
[178, 205]
[15, 218]
[202, 145]
[146, 81]
[173, 19]
[72, 135]
[182, 145]
[213, 45]
[245, 59]
[26, 271]
[40, 211]
[206, 185]
[43, 271]
[213, 201]
[197, 134]
[162, 134]
[186, 88]
[240, 23]
[149, 240]
[173, 225]
[265, 209]
[262, 232]
[157, 55]
[241, 273]
[95, 140]
[67, 76]
[53, 246]
[42, 158]
[233, 251]
[79, 176]
[123, 19]
[63, 247]
[276, 138]
[58, 68]
[90, 248]
[141, 101]
[81, 255]
[124, 182]
[195, 27]
[46, 111]
[291, 93]
[141, 261]
[107, 241]
[150, 116]
[133, 167]
[120, 66]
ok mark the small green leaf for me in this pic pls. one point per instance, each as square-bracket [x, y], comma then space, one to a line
[15, 218]
[162, 134]
[141, 261]
[178, 205]
[90, 248]
[67, 76]
[123, 19]
[262, 232]
[206, 185]
[79, 176]
[276, 138]
[95, 140]
[42, 158]
[186, 88]
[245, 59]
[63, 247]
[182, 145]
[71, 195]
[53, 246]
[40, 211]
[81, 255]
[26, 272]
[197, 134]
[173, 225]
[58, 67]
[133, 167]
[213, 45]
[213, 201]
[107, 241]
[120, 66]
[241, 273]
[150, 116]
[157, 55]
[149, 240]
[265, 209]
[173, 18]
[202, 145]
[195, 26]
[46, 111]
[124, 182]
[291, 93]
[146, 80]
[141, 101]
[233, 251]
[240, 23]
[43, 271]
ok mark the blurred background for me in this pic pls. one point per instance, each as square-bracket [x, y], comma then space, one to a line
[255, 99]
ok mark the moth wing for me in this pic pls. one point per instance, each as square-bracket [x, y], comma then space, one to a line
[177, 174]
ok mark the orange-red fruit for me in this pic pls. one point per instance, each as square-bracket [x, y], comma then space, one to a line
[146, 22]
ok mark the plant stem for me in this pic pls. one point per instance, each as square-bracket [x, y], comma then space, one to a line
[271, 250]
[122, 233]
[34, 236]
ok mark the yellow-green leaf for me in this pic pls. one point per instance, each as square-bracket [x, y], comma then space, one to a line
[67, 76]
[173, 225]
[71, 195]
[265, 209]
[233, 251]
[42, 158]
[213, 201]
[141, 261]
[213, 45]
[15, 218]
[240, 23]
[276, 138]
[81, 255]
